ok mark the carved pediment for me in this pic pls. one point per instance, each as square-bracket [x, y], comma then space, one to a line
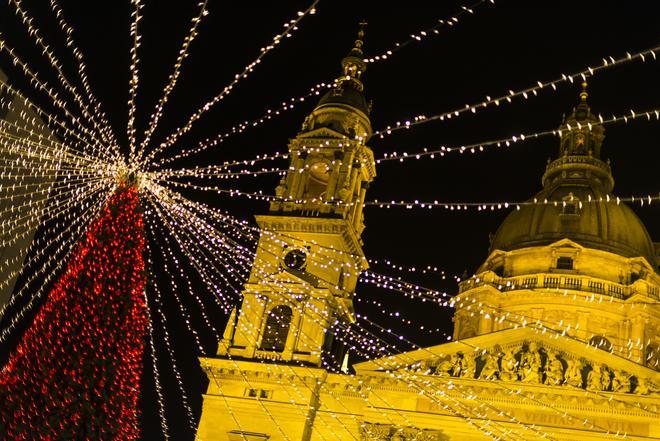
[566, 243]
[526, 356]
[321, 132]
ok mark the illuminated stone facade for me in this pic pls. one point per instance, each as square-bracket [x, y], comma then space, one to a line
[556, 335]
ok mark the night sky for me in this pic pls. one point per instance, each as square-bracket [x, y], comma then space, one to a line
[509, 45]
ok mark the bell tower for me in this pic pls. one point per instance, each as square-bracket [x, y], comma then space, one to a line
[310, 254]
[279, 346]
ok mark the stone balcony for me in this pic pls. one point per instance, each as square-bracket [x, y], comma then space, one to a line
[572, 282]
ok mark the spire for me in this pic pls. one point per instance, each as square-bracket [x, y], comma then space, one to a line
[344, 107]
[584, 95]
[581, 134]
[353, 65]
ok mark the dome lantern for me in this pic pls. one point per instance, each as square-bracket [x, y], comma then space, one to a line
[581, 138]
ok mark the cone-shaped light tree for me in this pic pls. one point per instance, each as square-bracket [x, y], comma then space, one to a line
[76, 372]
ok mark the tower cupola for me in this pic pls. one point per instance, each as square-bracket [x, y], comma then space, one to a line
[581, 137]
[344, 107]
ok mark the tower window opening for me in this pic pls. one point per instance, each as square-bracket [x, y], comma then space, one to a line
[565, 263]
[277, 328]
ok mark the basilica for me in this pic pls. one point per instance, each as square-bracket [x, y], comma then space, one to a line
[556, 335]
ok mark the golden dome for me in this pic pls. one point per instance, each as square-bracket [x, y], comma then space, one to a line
[606, 226]
[570, 204]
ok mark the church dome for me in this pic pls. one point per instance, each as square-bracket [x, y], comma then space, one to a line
[569, 206]
[606, 226]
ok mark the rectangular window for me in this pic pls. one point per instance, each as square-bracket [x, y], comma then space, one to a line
[258, 393]
[565, 263]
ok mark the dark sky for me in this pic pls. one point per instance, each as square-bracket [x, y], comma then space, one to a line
[509, 45]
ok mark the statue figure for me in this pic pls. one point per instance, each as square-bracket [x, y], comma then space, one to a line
[491, 369]
[307, 124]
[621, 382]
[509, 371]
[412, 434]
[595, 378]
[281, 188]
[530, 365]
[642, 387]
[376, 431]
[455, 362]
[446, 366]
[469, 366]
[605, 379]
[573, 375]
[554, 370]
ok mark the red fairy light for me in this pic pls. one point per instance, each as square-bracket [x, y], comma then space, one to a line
[76, 372]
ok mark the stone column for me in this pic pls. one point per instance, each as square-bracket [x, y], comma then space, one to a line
[331, 191]
[292, 336]
[357, 214]
[252, 333]
[582, 325]
[485, 324]
[297, 185]
[638, 341]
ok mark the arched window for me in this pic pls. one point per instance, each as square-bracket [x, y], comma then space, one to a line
[318, 178]
[601, 342]
[653, 356]
[277, 328]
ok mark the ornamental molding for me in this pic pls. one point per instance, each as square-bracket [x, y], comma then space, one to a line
[515, 396]
[301, 224]
[389, 432]
[241, 371]
[318, 138]
[315, 225]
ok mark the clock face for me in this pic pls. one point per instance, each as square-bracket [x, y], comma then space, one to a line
[295, 259]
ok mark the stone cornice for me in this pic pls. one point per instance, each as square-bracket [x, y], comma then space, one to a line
[519, 395]
[315, 225]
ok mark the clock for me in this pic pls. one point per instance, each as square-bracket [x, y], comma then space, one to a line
[295, 259]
